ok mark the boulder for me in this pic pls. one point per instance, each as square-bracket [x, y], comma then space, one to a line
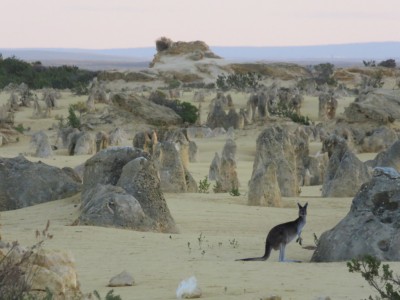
[146, 110]
[24, 183]
[370, 227]
[378, 139]
[111, 206]
[387, 158]
[379, 106]
[121, 189]
[345, 173]
[122, 279]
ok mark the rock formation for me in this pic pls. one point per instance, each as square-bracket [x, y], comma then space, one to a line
[226, 179]
[370, 227]
[387, 158]
[41, 142]
[277, 146]
[345, 173]
[121, 189]
[380, 107]
[24, 183]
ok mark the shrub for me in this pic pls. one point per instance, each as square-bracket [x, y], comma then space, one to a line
[323, 73]
[286, 111]
[16, 273]
[204, 185]
[187, 111]
[239, 81]
[369, 63]
[234, 192]
[381, 279]
[73, 120]
[389, 63]
[163, 43]
[36, 76]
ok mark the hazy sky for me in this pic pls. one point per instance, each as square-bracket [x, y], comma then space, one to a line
[134, 23]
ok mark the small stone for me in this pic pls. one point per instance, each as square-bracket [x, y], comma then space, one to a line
[122, 279]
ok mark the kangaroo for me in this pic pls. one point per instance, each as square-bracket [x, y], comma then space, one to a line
[281, 235]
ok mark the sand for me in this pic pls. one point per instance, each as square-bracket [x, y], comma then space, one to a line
[215, 229]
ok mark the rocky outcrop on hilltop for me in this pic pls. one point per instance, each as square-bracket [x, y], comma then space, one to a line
[195, 51]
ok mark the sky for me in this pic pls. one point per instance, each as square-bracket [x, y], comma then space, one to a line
[107, 24]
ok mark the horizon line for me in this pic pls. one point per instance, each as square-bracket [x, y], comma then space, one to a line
[221, 46]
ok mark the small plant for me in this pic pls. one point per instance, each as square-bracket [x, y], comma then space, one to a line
[380, 278]
[201, 239]
[204, 185]
[20, 128]
[234, 243]
[234, 191]
[217, 188]
[17, 273]
[110, 295]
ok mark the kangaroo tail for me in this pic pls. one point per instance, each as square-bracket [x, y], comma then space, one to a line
[268, 249]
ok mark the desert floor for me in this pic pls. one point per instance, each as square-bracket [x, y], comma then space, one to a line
[215, 229]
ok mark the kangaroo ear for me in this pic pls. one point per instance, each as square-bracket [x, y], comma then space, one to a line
[305, 205]
[298, 204]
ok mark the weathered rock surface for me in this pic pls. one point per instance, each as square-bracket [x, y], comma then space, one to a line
[378, 106]
[41, 142]
[276, 145]
[345, 173]
[24, 183]
[122, 279]
[144, 109]
[121, 189]
[371, 226]
[45, 269]
[388, 158]
[227, 179]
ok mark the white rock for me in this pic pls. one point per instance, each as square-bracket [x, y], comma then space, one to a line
[188, 289]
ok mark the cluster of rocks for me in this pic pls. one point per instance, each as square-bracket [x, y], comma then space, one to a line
[217, 116]
[172, 151]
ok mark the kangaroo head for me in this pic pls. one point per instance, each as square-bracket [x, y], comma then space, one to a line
[302, 209]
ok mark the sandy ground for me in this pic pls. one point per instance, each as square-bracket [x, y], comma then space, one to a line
[215, 229]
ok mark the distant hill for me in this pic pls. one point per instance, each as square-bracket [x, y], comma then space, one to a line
[129, 58]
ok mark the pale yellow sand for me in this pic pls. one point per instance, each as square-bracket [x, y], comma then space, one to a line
[229, 229]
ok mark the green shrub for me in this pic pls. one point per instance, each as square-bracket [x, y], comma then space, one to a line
[381, 279]
[238, 81]
[389, 63]
[234, 192]
[204, 185]
[323, 73]
[73, 120]
[37, 76]
[187, 111]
